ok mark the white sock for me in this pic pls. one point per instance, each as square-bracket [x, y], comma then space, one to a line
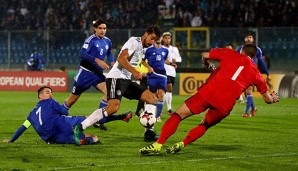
[166, 100]
[94, 117]
[169, 100]
[150, 108]
[241, 98]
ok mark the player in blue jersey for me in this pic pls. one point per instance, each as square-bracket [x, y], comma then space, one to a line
[249, 39]
[156, 55]
[92, 54]
[51, 122]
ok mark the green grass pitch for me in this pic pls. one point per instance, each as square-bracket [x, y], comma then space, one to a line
[266, 142]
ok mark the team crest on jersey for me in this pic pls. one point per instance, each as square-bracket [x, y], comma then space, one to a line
[97, 45]
[131, 47]
[163, 53]
[119, 92]
[85, 46]
[107, 47]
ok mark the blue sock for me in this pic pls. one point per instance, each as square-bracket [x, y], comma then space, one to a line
[103, 104]
[248, 102]
[252, 103]
[159, 108]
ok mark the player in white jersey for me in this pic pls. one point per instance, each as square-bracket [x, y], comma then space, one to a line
[173, 57]
[119, 80]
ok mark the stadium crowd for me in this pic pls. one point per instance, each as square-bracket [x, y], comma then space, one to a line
[78, 14]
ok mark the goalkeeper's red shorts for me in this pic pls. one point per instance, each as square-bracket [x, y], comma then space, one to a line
[197, 105]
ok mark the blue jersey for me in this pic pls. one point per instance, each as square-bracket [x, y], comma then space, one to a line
[258, 58]
[44, 117]
[95, 47]
[156, 58]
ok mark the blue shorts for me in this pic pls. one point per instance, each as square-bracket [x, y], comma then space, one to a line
[85, 79]
[64, 129]
[157, 81]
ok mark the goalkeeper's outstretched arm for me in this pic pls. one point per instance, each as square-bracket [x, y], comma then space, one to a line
[270, 97]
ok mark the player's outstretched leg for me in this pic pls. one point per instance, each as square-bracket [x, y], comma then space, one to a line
[175, 148]
[124, 117]
[77, 133]
[127, 116]
[151, 149]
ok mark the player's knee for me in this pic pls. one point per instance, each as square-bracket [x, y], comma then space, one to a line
[149, 97]
[112, 108]
[160, 95]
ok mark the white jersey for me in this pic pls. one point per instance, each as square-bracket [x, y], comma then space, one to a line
[135, 52]
[173, 54]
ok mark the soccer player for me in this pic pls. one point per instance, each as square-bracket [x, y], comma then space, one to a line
[51, 121]
[90, 72]
[157, 78]
[235, 73]
[249, 39]
[174, 56]
[119, 80]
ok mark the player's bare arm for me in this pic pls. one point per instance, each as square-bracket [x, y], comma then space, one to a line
[123, 61]
[171, 63]
[101, 63]
[206, 61]
[174, 64]
[268, 78]
[205, 58]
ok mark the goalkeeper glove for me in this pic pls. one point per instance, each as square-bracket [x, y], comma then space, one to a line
[210, 66]
[275, 97]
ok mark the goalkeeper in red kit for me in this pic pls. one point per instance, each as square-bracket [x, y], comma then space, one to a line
[235, 73]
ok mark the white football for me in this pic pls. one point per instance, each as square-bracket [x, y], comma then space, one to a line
[147, 119]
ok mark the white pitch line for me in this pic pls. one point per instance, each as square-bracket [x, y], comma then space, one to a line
[168, 162]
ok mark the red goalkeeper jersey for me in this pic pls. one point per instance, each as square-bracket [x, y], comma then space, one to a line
[235, 73]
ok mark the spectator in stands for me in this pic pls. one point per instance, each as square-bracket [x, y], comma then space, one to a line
[196, 20]
[214, 13]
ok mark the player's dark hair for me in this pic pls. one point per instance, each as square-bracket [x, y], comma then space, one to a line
[154, 29]
[249, 34]
[250, 50]
[98, 22]
[41, 88]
